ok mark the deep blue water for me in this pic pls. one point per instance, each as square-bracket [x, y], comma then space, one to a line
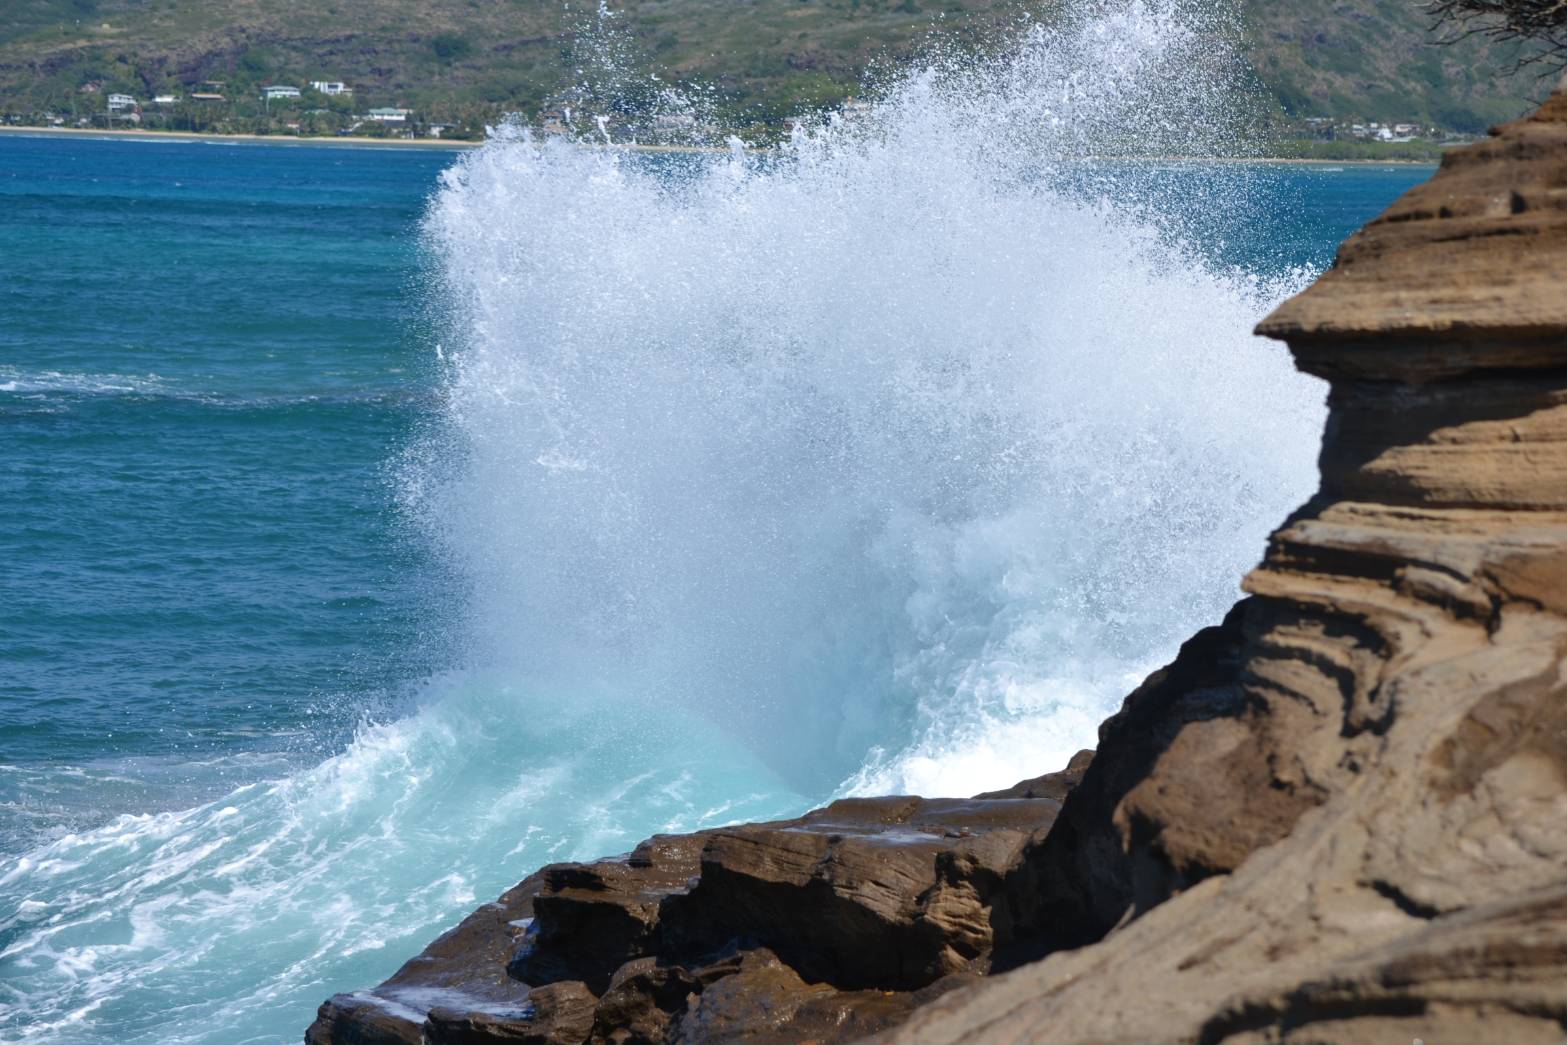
[208, 357]
[212, 359]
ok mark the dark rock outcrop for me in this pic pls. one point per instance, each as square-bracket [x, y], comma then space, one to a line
[837, 924]
[463, 971]
[1338, 816]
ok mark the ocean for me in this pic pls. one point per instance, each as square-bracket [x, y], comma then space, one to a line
[380, 524]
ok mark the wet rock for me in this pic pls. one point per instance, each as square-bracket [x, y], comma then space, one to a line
[832, 925]
[764, 998]
[464, 969]
[887, 893]
[590, 919]
[643, 1001]
[557, 1014]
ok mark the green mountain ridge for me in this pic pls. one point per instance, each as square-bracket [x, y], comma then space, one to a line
[465, 62]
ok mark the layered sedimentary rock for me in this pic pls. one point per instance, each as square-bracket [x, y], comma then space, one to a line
[1338, 815]
[1342, 814]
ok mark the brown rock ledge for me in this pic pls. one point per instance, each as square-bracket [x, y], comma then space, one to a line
[833, 925]
[1338, 816]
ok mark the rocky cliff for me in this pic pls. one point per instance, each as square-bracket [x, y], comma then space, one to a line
[1340, 815]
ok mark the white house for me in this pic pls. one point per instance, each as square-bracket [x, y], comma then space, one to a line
[390, 115]
[331, 87]
[674, 122]
[121, 102]
[279, 91]
[854, 109]
[164, 99]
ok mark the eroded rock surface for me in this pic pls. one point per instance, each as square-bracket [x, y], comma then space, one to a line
[1340, 815]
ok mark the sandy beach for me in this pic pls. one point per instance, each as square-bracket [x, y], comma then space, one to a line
[438, 143]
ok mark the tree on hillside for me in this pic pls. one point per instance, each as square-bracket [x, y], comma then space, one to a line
[1539, 22]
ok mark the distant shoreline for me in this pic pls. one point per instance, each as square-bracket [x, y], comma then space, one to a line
[355, 141]
[264, 139]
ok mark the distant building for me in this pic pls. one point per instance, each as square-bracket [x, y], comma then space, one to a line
[121, 102]
[390, 115]
[331, 87]
[279, 91]
[435, 130]
[674, 122]
[855, 109]
[205, 96]
[1405, 128]
[165, 99]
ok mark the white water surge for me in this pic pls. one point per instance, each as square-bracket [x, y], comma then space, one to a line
[924, 439]
[889, 462]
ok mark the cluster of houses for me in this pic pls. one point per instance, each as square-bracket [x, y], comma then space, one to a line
[125, 107]
[1327, 128]
[684, 127]
[1387, 132]
[212, 91]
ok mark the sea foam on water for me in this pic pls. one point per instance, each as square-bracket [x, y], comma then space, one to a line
[887, 461]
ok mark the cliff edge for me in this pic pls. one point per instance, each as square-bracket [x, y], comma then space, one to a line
[1340, 815]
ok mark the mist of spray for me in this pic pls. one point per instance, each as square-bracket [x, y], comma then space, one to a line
[901, 452]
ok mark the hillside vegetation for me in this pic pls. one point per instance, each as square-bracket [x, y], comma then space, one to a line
[464, 62]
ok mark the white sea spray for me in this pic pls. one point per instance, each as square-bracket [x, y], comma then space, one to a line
[926, 436]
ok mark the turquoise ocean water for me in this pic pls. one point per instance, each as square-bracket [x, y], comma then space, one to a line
[208, 357]
[249, 754]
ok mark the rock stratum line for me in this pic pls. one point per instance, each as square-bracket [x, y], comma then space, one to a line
[1340, 815]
